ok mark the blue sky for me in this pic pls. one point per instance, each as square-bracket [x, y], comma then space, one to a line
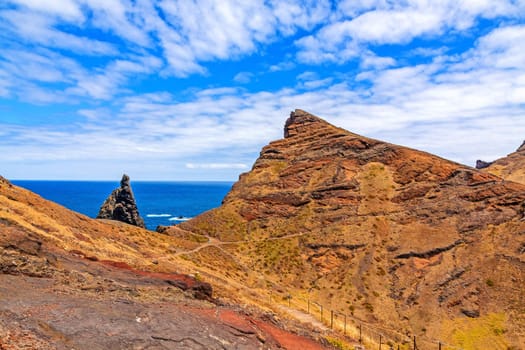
[191, 90]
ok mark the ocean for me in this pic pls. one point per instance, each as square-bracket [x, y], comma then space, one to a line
[159, 203]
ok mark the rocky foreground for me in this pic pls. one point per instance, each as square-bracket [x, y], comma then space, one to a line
[70, 282]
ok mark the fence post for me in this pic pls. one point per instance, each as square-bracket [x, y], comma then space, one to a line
[415, 346]
[331, 319]
[360, 338]
[308, 306]
[321, 313]
[380, 341]
[345, 324]
[439, 345]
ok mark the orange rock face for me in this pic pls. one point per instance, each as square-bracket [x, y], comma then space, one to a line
[397, 237]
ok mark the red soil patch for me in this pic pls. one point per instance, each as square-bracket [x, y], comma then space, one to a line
[250, 325]
[288, 340]
[239, 322]
[175, 277]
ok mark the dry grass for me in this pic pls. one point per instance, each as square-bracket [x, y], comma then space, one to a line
[477, 333]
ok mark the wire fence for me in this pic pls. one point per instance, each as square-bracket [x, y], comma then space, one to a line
[360, 332]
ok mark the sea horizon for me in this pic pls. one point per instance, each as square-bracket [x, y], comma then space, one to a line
[159, 202]
[117, 181]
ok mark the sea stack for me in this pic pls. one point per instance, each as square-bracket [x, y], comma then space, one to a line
[121, 205]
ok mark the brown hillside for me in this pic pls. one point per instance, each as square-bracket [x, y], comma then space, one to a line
[396, 237]
[511, 167]
[71, 282]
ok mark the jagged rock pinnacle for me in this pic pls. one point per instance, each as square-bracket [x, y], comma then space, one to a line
[121, 205]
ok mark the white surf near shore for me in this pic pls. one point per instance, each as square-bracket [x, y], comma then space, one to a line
[179, 218]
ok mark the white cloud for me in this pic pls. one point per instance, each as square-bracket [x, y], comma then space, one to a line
[118, 16]
[300, 13]
[66, 9]
[216, 166]
[378, 22]
[64, 78]
[184, 33]
[37, 28]
[243, 77]
[370, 60]
[282, 66]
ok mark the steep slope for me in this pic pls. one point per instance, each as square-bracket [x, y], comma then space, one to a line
[395, 237]
[511, 167]
[68, 281]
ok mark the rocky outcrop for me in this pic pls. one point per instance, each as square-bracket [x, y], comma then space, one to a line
[412, 217]
[511, 167]
[481, 164]
[121, 205]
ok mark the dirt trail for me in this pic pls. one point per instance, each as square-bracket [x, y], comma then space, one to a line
[214, 242]
[303, 317]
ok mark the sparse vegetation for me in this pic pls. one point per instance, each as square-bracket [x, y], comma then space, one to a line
[338, 344]
[473, 334]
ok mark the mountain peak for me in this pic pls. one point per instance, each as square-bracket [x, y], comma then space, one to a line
[301, 122]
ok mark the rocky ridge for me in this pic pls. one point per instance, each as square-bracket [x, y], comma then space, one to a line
[397, 237]
[121, 205]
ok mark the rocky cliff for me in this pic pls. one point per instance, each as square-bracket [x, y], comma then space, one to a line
[396, 237]
[121, 205]
[511, 167]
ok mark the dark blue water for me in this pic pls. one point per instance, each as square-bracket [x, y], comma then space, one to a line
[159, 203]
